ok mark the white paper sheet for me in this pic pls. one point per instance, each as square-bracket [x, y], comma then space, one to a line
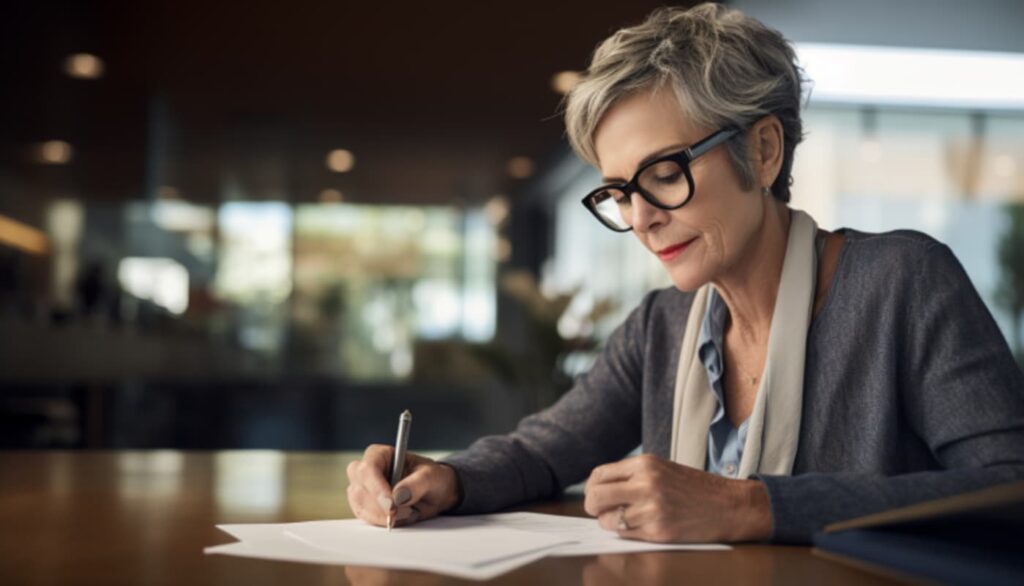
[476, 547]
[590, 538]
[469, 541]
[268, 541]
[282, 548]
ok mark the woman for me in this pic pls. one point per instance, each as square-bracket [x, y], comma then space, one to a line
[792, 377]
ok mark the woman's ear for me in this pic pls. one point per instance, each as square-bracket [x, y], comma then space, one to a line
[766, 149]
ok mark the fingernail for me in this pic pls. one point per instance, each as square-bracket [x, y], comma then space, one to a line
[406, 516]
[384, 502]
[402, 495]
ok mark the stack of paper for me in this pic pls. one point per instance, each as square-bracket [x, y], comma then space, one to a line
[476, 547]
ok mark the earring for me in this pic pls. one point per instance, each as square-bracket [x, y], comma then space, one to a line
[766, 191]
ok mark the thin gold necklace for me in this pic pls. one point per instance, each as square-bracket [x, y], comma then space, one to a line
[746, 375]
[751, 379]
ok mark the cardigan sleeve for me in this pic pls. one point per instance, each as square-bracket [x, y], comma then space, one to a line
[961, 392]
[596, 421]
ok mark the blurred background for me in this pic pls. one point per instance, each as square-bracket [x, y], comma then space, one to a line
[276, 225]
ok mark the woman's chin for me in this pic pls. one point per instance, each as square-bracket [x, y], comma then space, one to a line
[687, 281]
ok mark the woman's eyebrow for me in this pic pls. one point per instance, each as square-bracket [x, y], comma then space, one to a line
[648, 159]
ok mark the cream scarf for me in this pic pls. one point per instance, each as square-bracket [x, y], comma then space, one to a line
[773, 430]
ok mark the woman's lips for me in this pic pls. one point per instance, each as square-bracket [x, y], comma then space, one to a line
[670, 252]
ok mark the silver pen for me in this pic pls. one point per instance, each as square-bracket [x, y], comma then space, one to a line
[401, 443]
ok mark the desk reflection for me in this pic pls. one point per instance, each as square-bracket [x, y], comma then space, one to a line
[756, 566]
[364, 576]
[671, 568]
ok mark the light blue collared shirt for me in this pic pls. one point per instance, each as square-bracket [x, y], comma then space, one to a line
[725, 442]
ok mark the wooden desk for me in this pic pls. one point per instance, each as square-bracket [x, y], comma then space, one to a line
[144, 517]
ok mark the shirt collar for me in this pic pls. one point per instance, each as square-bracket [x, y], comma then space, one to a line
[712, 327]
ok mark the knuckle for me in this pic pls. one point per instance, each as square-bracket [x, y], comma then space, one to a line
[375, 450]
[428, 472]
[646, 486]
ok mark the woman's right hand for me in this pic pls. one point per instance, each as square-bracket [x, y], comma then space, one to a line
[427, 489]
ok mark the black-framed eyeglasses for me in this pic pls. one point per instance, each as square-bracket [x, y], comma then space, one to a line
[665, 182]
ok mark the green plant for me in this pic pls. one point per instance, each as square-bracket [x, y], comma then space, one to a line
[1010, 291]
[538, 366]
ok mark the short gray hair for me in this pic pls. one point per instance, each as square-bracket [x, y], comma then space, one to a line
[726, 68]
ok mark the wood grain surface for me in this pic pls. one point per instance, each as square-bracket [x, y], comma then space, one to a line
[144, 517]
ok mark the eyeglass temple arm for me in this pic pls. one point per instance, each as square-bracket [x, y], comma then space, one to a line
[711, 142]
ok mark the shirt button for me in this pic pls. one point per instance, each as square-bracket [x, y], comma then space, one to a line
[730, 469]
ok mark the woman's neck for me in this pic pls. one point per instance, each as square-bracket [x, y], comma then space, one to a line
[750, 287]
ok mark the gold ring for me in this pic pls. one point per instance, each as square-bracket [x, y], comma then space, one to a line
[623, 525]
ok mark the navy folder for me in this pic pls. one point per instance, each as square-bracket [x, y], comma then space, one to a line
[975, 538]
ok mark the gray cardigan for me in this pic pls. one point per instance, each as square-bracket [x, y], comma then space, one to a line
[910, 393]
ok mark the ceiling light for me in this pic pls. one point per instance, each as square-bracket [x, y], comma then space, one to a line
[854, 74]
[564, 81]
[84, 66]
[55, 152]
[520, 167]
[340, 160]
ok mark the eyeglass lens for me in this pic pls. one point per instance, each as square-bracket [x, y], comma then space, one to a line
[665, 182]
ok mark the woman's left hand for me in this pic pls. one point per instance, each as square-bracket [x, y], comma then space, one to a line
[653, 499]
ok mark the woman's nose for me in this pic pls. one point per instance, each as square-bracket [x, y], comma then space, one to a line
[645, 216]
